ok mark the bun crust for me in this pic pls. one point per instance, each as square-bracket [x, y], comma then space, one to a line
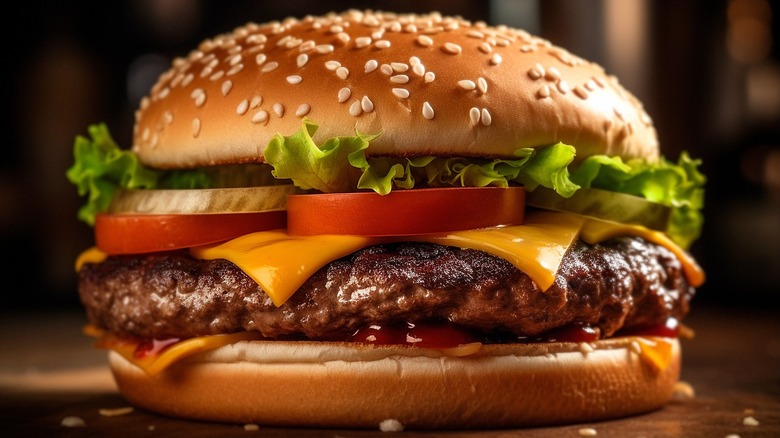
[320, 384]
[431, 85]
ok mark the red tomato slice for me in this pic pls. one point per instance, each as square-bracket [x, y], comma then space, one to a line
[141, 233]
[405, 212]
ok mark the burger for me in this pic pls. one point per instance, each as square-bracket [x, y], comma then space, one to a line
[338, 220]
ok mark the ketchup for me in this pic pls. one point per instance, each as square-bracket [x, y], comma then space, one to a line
[568, 333]
[152, 347]
[669, 329]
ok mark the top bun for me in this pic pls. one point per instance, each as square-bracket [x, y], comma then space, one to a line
[431, 85]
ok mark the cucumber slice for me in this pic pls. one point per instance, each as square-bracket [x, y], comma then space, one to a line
[202, 201]
[603, 204]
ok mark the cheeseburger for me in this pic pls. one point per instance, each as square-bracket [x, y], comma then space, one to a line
[339, 220]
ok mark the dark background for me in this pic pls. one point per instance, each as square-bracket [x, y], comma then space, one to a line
[708, 73]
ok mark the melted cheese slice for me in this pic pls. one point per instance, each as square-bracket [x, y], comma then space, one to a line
[281, 263]
[656, 352]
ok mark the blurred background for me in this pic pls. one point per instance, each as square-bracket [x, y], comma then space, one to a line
[707, 72]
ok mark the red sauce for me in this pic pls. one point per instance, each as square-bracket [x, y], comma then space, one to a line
[670, 329]
[152, 347]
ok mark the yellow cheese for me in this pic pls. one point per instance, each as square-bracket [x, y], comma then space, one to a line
[598, 230]
[91, 255]
[656, 351]
[155, 363]
[281, 263]
[536, 247]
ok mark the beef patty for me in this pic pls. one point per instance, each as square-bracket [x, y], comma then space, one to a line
[625, 282]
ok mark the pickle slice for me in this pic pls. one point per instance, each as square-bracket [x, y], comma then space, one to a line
[603, 204]
[202, 201]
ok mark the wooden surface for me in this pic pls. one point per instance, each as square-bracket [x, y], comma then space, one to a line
[49, 371]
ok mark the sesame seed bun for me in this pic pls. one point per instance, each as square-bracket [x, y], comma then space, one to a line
[431, 85]
[321, 384]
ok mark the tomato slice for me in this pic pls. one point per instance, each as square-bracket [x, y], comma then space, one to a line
[141, 233]
[405, 212]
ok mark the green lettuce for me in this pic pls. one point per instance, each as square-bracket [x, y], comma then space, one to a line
[340, 164]
[100, 167]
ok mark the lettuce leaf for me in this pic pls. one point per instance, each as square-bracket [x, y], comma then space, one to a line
[100, 167]
[340, 164]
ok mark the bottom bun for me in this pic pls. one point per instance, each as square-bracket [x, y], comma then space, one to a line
[341, 385]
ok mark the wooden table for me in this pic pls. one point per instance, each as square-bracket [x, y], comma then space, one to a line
[49, 371]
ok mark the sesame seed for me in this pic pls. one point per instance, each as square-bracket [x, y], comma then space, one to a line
[242, 107]
[332, 65]
[302, 59]
[168, 117]
[552, 74]
[336, 29]
[307, 45]
[377, 35]
[342, 72]
[199, 96]
[475, 34]
[303, 109]
[386, 69]
[452, 48]
[256, 101]
[599, 81]
[195, 127]
[527, 48]
[410, 28]
[474, 116]
[467, 84]
[585, 348]
[399, 79]
[429, 77]
[399, 67]
[294, 79]
[271, 66]
[226, 87]
[382, 44]
[635, 347]
[580, 92]
[395, 27]
[278, 109]
[206, 71]
[419, 69]
[344, 94]
[282, 41]
[361, 42]
[424, 41]
[187, 79]
[366, 104]
[402, 93]
[485, 48]
[371, 65]
[260, 116]
[536, 72]
[544, 91]
[163, 93]
[414, 61]
[217, 76]
[487, 119]
[496, 59]
[750, 421]
[482, 85]
[234, 59]
[324, 48]
[355, 109]
[588, 431]
[563, 86]
[590, 85]
[260, 58]
[427, 111]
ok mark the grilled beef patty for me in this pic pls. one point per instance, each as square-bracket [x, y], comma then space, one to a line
[625, 282]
